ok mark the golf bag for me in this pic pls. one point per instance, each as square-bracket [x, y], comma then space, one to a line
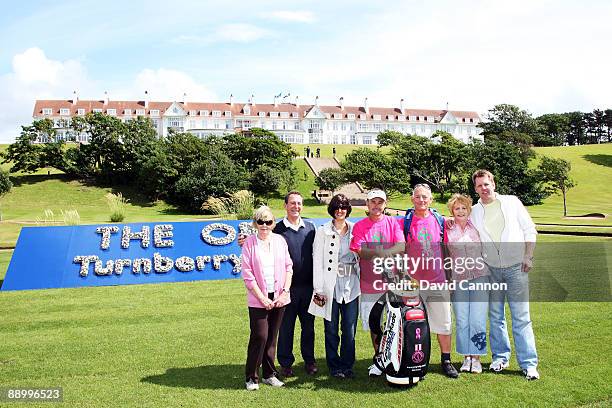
[405, 342]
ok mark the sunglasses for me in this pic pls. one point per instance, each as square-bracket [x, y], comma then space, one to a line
[423, 185]
[262, 222]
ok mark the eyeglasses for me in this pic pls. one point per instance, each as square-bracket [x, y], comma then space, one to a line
[262, 222]
[422, 185]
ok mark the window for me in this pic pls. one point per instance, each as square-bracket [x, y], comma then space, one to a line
[401, 117]
[140, 112]
[274, 125]
[296, 126]
[390, 117]
[175, 122]
[64, 111]
[111, 111]
[343, 125]
[155, 112]
[367, 139]
[155, 123]
[47, 111]
[228, 114]
[337, 116]
[228, 124]
[97, 110]
[377, 117]
[203, 113]
[192, 124]
[284, 114]
[294, 114]
[351, 116]
[362, 116]
[217, 125]
[216, 114]
[193, 112]
[262, 114]
[247, 110]
[274, 114]
[353, 139]
[80, 111]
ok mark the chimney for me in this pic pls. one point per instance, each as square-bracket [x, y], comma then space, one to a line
[341, 103]
[317, 101]
[184, 98]
[252, 100]
[275, 101]
[402, 106]
[365, 105]
[75, 97]
[105, 98]
[146, 99]
[297, 101]
[232, 100]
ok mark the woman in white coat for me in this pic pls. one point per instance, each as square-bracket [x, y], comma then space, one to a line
[336, 287]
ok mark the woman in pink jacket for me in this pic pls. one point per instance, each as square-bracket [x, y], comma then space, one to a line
[267, 271]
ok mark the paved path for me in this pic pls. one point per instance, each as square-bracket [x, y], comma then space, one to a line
[353, 191]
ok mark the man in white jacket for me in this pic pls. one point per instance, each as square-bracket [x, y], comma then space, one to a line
[508, 235]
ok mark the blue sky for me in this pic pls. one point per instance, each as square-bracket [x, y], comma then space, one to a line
[545, 56]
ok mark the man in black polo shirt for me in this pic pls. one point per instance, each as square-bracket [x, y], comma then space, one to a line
[299, 235]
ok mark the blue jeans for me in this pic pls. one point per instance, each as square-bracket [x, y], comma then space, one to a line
[343, 362]
[471, 307]
[518, 298]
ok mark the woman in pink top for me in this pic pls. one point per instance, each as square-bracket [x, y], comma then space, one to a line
[267, 270]
[470, 274]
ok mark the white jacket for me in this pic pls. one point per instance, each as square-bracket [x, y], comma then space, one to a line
[325, 250]
[518, 229]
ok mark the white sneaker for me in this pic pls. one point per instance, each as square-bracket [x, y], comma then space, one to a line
[476, 366]
[531, 373]
[273, 381]
[467, 364]
[374, 371]
[252, 385]
[499, 365]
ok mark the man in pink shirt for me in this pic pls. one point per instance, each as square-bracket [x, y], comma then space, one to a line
[374, 236]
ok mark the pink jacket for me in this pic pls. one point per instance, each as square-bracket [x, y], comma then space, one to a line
[252, 272]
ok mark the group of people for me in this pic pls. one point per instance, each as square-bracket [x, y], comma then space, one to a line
[293, 270]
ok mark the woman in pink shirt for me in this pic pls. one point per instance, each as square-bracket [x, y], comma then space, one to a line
[267, 270]
[470, 273]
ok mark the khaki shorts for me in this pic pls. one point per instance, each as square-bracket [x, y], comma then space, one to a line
[438, 307]
[366, 303]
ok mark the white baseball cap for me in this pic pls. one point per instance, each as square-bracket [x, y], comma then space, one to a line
[376, 193]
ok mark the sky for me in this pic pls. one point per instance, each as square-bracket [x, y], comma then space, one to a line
[544, 56]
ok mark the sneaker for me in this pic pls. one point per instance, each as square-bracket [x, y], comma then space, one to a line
[449, 369]
[499, 365]
[252, 385]
[374, 371]
[311, 369]
[287, 372]
[531, 373]
[273, 381]
[338, 374]
[476, 366]
[467, 364]
[349, 374]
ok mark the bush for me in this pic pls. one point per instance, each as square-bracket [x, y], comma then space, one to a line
[214, 175]
[5, 182]
[238, 206]
[117, 205]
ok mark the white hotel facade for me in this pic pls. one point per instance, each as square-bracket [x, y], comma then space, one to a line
[292, 122]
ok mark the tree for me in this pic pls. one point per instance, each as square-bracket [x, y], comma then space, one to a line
[25, 155]
[374, 169]
[5, 185]
[212, 175]
[266, 180]
[554, 128]
[509, 118]
[389, 138]
[555, 172]
[577, 133]
[443, 163]
[331, 179]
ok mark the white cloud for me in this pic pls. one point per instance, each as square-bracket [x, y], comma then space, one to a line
[291, 16]
[35, 76]
[169, 85]
[243, 33]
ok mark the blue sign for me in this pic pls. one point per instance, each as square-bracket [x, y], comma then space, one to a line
[125, 254]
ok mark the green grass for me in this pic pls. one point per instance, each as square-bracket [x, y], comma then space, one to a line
[184, 344]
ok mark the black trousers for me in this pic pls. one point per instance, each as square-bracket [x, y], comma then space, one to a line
[262, 342]
[298, 308]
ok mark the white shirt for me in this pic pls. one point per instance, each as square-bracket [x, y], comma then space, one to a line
[288, 224]
[267, 263]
